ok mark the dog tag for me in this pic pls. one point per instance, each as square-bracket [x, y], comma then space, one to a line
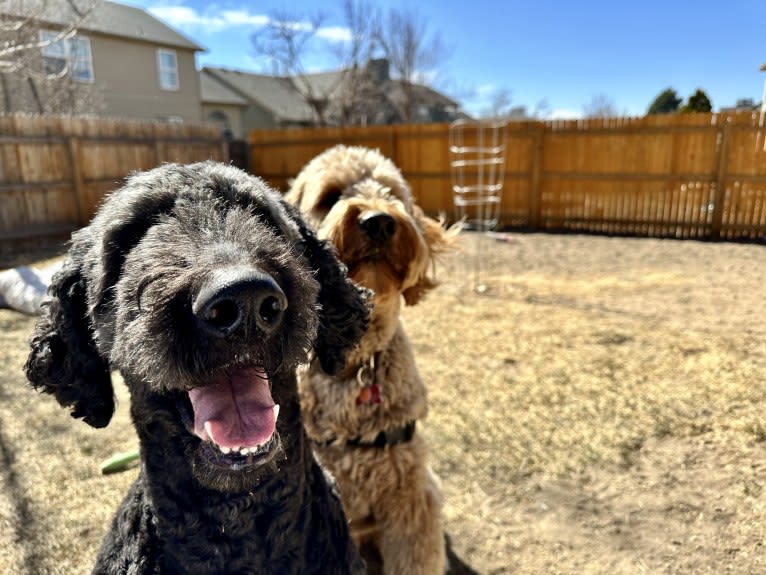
[369, 392]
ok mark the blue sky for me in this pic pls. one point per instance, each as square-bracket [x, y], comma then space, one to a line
[560, 52]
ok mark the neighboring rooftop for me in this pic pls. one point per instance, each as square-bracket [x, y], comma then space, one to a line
[379, 98]
[215, 92]
[273, 93]
[109, 18]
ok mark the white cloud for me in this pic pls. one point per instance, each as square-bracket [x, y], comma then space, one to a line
[179, 16]
[243, 17]
[485, 90]
[427, 77]
[187, 18]
[293, 25]
[564, 114]
[329, 33]
[335, 34]
[210, 21]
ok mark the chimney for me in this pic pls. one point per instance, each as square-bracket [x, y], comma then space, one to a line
[378, 70]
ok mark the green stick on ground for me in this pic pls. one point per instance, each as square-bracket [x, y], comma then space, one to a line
[119, 462]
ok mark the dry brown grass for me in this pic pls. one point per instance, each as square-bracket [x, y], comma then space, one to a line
[597, 410]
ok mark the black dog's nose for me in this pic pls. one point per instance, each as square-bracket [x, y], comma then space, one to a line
[238, 298]
[378, 226]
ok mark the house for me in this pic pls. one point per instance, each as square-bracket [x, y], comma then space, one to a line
[118, 60]
[413, 103]
[241, 101]
[121, 62]
[742, 105]
[222, 106]
[365, 96]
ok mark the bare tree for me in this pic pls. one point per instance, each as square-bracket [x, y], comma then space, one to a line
[600, 106]
[347, 96]
[358, 99]
[500, 104]
[412, 52]
[38, 57]
[361, 19]
[355, 94]
[285, 40]
[541, 110]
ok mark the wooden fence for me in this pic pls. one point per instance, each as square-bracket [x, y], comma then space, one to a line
[686, 176]
[54, 171]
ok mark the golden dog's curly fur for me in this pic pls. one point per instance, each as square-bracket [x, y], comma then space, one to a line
[390, 495]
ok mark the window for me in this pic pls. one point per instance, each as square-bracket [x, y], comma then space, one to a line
[70, 56]
[167, 64]
[80, 58]
[54, 54]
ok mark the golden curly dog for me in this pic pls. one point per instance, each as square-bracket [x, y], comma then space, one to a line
[363, 420]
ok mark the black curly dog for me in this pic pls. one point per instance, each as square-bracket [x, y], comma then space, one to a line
[205, 290]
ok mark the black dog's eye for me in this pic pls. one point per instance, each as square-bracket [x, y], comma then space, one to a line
[329, 198]
[141, 288]
[140, 291]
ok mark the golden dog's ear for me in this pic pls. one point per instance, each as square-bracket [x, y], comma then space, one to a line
[413, 294]
[294, 194]
[438, 240]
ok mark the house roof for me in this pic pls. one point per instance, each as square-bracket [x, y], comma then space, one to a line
[324, 84]
[281, 95]
[328, 84]
[420, 94]
[214, 92]
[274, 93]
[110, 18]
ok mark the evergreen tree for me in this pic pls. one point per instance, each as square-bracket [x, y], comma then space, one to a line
[666, 102]
[697, 102]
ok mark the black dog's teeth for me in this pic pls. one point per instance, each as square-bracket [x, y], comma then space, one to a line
[237, 450]
[229, 457]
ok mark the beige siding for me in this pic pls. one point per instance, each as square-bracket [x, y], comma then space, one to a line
[233, 113]
[257, 117]
[128, 76]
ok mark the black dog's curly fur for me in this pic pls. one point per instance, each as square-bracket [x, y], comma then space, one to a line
[125, 300]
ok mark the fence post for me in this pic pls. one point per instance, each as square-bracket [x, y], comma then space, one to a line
[393, 143]
[720, 185]
[533, 217]
[73, 146]
[159, 149]
[225, 144]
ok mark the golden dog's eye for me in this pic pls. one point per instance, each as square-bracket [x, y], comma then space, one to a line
[329, 198]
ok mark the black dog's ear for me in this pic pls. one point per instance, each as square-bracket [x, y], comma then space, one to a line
[122, 227]
[345, 306]
[64, 360]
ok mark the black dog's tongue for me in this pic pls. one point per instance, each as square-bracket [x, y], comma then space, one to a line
[236, 411]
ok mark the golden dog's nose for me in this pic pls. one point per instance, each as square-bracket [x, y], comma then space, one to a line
[379, 226]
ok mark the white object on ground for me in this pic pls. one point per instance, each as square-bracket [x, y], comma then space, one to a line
[24, 288]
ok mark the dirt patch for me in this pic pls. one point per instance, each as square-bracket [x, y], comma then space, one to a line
[598, 409]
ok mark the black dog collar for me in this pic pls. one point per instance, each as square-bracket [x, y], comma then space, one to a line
[386, 437]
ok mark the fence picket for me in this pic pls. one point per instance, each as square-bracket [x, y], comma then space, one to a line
[54, 171]
[691, 175]
[665, 176]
